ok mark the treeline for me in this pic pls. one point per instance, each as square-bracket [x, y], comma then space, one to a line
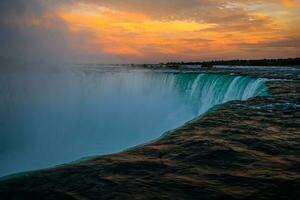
[261, 62]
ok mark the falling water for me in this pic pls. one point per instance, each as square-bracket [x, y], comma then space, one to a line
[54, 117]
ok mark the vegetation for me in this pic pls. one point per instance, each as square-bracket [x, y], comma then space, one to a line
[262, 62]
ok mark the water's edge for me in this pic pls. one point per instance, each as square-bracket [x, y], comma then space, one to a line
[226, 154]
[261, 92]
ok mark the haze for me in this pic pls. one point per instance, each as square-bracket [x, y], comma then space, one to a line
[142, 31]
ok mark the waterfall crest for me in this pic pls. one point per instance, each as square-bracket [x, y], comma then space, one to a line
[203, 91]
[50, 118]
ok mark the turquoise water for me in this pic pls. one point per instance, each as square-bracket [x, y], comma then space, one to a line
[51, 117]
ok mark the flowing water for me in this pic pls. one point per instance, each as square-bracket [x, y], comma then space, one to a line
[51, 117]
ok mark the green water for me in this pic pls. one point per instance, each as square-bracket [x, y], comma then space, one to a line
[52, 117]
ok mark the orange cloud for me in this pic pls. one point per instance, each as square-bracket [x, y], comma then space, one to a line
[130, 34]
[156, 30]
[289, 3]
[140, 37]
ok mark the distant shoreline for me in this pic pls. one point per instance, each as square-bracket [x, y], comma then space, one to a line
[292, 62]
[238, 62]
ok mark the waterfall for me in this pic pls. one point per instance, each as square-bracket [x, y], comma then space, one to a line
[49, 118]
[203, 91]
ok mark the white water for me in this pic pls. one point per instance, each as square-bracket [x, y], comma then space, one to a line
[204, 91]
[54, 117]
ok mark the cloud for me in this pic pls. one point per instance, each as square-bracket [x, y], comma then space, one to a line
[30, 30]
[146, 31]
[211, 11]
[280, 43]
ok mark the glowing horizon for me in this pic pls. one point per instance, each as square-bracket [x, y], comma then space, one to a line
[158, 31]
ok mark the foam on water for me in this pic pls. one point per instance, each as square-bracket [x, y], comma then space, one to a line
[54, 117]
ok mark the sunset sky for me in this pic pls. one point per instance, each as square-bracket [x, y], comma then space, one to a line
[144, 31]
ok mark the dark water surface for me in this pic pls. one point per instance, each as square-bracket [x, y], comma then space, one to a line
[50, 117]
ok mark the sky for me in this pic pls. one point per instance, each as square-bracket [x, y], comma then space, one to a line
[143, 31]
